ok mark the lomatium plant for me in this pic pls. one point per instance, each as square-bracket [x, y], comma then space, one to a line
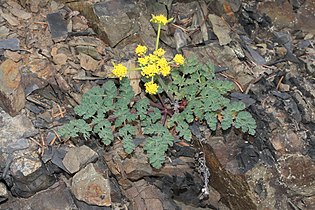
[193, 93]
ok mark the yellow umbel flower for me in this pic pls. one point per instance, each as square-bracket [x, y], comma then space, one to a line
[119, 71]
[159, 52]
[141, 50]
[160, 19]
[151, 87]
[149, 70]
[164, 67]
[179, 59]
[152, 58]
[143, 61]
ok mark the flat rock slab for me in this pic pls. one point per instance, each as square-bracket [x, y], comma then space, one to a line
[234, 189]
[146, 196]
[12, 131]
[78, 157]
[10, 44]
[298, 174]
[58, 197]
[57, 26]
[112, 20]
[283, 15]
[221, 29]
[12, 97]
[90, 186]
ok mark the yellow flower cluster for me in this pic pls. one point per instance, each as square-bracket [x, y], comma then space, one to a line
[119, 70]
[141, 50]
[151, 88]
[159, 19]
[179, 59]
[154, 63]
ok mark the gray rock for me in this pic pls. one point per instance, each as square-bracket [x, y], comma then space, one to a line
[112, 20]
[56, 197]
[20, 144]
[268, 195]
[29, 184]
[12, 132]
[78, 157]
[114, 23]
[85, 41]
[89, 50]
[23, 165]
[228, 184]
[55, 155]
[306, 105]
[90, 186]
[297, 173]
[137, 168]
[20, 13]
[10, 44]
[88, 63]
[57, 26]
[146, 196]
[13, 21]
[221, 29]
[222, 56]
[181, 39]
[3, 193]
[4, 32]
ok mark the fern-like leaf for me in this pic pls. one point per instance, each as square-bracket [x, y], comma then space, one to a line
[74, 128]
[212, 120]
[103, 129]
[246, 122]
[91, 103]
[126, 134]
[157, 146]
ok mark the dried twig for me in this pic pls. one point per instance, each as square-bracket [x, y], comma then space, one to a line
[279, 83]
[234, 81]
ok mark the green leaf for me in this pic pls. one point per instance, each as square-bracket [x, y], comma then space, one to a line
[156, 147]
[123, 115]
[222, 86]
[236, 106]
[212, 120]
[246, 122]
[153, 129]
[74, 128]
[213, 101]
[126, 133]
[91, 103]
[103, 129]
[206, 96]
[142, 108]
[126, 91]
[110, 89]
[153, 116]
[227, 121]
[183, 130]
[128, 144]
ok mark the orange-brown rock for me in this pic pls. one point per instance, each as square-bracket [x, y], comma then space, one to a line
[12, 97]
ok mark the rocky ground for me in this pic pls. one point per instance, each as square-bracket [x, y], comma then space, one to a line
[51, 52]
